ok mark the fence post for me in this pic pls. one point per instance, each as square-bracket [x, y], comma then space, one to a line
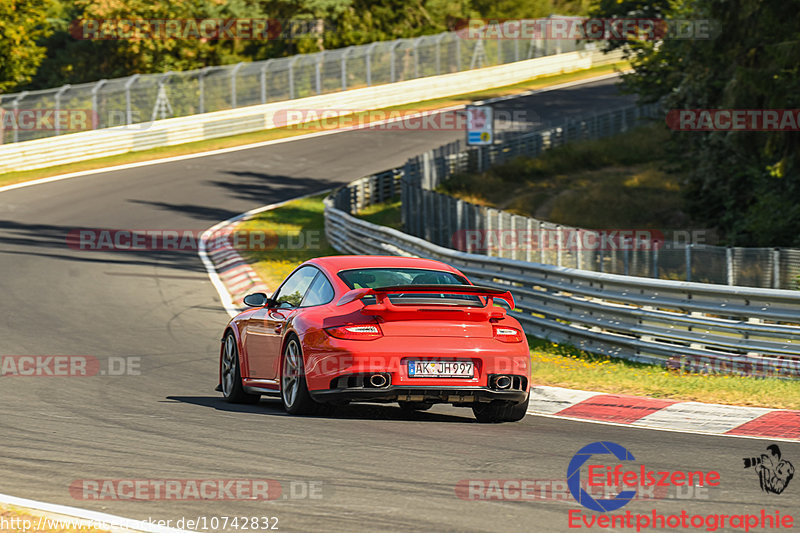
[292, 61]
[776, 268]
[263, 74]
[392, 65]
[688, 250]
[368, 60]
[15, 105]
[578, 249]
[59, 92]
[344, 66]
[655, 258]
[529, 240]
[128, 110]
[559, 241]
[626, 252]
[95, 104]
[416, 57]
[319, 57]
[234, 71]
[729, 265]
[201, 82]
[438, 48]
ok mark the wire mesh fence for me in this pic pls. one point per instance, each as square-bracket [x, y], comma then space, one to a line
[142, 98]
[454, 223]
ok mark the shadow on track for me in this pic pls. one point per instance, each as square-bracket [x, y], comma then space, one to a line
[273, 407]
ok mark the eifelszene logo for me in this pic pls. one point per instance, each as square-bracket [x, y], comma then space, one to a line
[774, 473]
[618, 476]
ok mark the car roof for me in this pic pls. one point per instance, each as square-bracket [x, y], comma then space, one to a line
[335, 263]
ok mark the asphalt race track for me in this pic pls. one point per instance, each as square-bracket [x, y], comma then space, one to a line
[379, 470]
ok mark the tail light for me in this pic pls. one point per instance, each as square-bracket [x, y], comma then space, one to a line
[356, 332]
[507, 334]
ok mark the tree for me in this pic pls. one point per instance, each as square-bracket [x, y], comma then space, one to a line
[22, 24]
[747, 184]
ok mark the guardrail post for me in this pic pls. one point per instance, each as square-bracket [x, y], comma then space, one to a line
[59, 92]
[776, 268]
[15, 105]
[95, 105]
[729, 265]
[128, 110]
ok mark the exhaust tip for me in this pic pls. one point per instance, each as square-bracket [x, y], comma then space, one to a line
[502, 382]
[378, 380]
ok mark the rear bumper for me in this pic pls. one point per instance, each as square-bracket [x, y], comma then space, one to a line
[454, 395]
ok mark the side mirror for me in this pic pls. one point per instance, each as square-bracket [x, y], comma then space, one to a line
[257, 299]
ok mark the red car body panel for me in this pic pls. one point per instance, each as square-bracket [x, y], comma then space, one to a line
[422, 332]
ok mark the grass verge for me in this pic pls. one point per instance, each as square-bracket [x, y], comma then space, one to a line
[622, 181]
[553, 364]
[281, 133]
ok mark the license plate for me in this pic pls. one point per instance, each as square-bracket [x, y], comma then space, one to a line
[440, 369]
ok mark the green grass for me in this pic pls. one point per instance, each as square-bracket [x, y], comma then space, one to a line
[281, 133]
[617, 182]
[553, 364]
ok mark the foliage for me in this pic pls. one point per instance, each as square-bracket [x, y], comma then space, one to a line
[22, 24]
[745, 183]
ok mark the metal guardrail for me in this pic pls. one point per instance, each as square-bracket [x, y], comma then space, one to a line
[147, 97]
[696, 326]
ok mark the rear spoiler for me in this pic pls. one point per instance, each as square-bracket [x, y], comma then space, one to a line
[382, 300]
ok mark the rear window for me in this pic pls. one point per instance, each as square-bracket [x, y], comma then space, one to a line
[371, 278]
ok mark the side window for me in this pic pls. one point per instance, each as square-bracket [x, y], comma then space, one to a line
[294, 288]
[320, 292]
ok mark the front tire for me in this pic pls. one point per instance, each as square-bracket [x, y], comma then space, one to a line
[492, 413]
[232, 389]
[294, 389]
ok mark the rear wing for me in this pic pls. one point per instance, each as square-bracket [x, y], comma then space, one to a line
[384, 304]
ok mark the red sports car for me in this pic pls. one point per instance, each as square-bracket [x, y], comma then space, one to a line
[378, 329]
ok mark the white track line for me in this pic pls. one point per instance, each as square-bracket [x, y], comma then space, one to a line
[93, 517]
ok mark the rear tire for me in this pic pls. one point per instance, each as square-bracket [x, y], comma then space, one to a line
[294, 390]
[232, 389]
[492, 413]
